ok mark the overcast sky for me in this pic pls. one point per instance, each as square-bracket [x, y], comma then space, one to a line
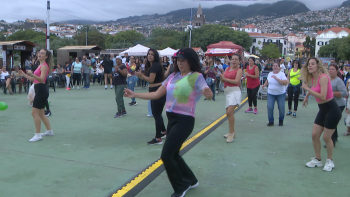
[105, 10]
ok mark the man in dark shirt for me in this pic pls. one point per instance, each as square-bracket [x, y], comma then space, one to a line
[119, 76]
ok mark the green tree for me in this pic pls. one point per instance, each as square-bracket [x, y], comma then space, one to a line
[309, 45]
[331, 49]
[33, 36]
[163, 38]
[209, 34]
[270, 51]
[2, 37]
[344, 48]
[121, 45]
[129, 36]
[94, 37]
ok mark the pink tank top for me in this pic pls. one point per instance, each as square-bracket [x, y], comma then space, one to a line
[37, 73]
[230, 75]
[318, 88]
[251, 82]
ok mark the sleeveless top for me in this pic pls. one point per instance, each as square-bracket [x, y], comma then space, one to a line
[37, 73]
[230, 75]
[318, 88]
[294, 77]
[251, 82]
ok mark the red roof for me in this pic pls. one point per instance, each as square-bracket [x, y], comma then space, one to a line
[234, 25]
[225, 45]
[292, 34]
[249, 26]
[299, 46]
[335, 30]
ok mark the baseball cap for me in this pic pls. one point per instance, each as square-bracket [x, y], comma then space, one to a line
[118, 57]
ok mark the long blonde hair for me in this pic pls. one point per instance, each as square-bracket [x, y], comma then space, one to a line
[49, 60]
[304, 71]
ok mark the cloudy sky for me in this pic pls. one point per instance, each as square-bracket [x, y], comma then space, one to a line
[105, 10]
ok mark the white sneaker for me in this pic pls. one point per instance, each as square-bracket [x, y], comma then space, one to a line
[78, 88]
[111, 87]
[149, 115]
[47, 132]
[314, 163]
[36, 138]
[329, 165]
[73, 88]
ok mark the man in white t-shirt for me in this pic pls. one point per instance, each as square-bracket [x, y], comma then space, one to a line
[282, 66]
[220, 70]
[5, 78]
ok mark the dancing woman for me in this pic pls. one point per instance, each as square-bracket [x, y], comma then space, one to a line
[232, 78]
[183, 90]
[315, 74]
[294, 87]
[154, 74]
[253, 85]
[41, 93]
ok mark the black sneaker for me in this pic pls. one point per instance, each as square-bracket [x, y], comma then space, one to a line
[134, 103]
[47, 113]
[163, 135]
[154, 141]
[118, 114]
[131, 103]
[124, 113]
[182, 194]
[270, 124]
[280, 123]
[289, 113]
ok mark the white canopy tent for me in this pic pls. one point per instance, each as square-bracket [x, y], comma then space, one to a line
[167, 52]
[138, 50]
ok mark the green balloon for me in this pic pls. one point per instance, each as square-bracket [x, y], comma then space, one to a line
[3, 106]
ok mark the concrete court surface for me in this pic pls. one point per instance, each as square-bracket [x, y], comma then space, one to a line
[92, 154]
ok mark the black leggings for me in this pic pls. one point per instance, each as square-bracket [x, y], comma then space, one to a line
[179, 128]
[157, 110]
[296, 98]
[335, 134]
[76, 78]
[329, 115]
[252, 96]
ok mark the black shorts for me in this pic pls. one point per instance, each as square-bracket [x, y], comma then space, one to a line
[108, 71]
[329, 115]
[41, 95]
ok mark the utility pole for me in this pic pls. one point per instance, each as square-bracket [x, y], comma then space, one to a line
[86, 37]
[190, 29]
[48, 26]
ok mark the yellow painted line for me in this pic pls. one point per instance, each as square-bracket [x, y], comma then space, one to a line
[158, 163]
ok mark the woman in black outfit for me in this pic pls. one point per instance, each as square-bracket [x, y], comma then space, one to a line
[154, 74]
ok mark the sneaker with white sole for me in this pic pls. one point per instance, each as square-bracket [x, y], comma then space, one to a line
[329, 165]
[154, 141]
[47, 133]
[36, 137]
[111, 87]
[78, 88]
[314, 163]
[194, 185]
[181, 194]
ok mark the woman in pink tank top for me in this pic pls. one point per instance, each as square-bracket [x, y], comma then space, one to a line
[41, 93]
[232, 78]
[315, 74]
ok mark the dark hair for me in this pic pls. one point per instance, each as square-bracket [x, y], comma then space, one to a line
[156, 60]
[79, 58]
[192, 59]
[299, 65]
[335, 66]
[238, 55]
[253, 58]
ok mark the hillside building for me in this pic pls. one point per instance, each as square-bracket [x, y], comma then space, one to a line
[323, 37]
[199, 18]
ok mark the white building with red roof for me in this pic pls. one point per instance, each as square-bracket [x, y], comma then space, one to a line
[323, 37]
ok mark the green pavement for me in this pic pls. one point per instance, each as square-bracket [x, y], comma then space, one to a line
[92, 154]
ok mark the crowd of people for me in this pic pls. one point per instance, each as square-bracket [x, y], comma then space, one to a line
[179, 84]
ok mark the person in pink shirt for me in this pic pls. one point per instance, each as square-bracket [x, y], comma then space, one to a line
[183, 89]
[314, 74]
[41, 93]
[253, 85]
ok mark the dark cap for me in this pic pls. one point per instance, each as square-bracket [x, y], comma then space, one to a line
[218, 60]
[181, 55]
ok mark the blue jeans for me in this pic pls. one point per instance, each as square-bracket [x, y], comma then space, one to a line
[86, 80]
[131, 84]
[281, 100]
[149, 108]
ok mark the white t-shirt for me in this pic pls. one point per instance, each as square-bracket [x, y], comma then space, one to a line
[283, 67]
[275, 88]
[218, 66]
[3, 74]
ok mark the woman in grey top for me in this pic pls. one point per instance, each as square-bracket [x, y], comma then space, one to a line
[339, 92]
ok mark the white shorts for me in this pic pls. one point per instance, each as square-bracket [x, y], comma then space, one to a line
[233, 96]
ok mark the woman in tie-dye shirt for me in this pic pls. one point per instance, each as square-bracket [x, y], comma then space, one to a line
[183, 89]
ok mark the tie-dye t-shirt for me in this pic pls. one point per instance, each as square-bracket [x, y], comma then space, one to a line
[183, 93]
